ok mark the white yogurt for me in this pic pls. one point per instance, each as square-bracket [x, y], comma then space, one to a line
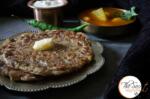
[48, 3]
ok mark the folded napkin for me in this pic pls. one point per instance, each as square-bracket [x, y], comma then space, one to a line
[137, 60]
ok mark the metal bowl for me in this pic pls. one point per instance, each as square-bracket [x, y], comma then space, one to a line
[51, 15]
[110, 31]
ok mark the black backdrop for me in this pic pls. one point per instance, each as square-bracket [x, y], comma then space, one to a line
[19, 7]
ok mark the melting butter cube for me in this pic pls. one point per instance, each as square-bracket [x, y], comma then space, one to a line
[44, 44]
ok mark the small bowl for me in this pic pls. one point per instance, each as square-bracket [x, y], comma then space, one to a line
[51, 15]
[110, 31]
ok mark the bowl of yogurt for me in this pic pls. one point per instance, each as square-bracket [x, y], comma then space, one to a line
[49, 11]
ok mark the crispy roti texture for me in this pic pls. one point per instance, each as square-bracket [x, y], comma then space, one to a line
[71, 52]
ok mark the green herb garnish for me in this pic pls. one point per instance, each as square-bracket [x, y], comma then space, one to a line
[44, 26]
[129, 14]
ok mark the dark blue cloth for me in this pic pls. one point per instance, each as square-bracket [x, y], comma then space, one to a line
[137, 60]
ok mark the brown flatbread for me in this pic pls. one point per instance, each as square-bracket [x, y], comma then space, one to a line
[71, 52]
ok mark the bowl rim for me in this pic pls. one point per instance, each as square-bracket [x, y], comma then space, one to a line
[123, 10]
[30, 4]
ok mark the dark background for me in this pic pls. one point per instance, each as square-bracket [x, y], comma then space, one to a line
[19, 7]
